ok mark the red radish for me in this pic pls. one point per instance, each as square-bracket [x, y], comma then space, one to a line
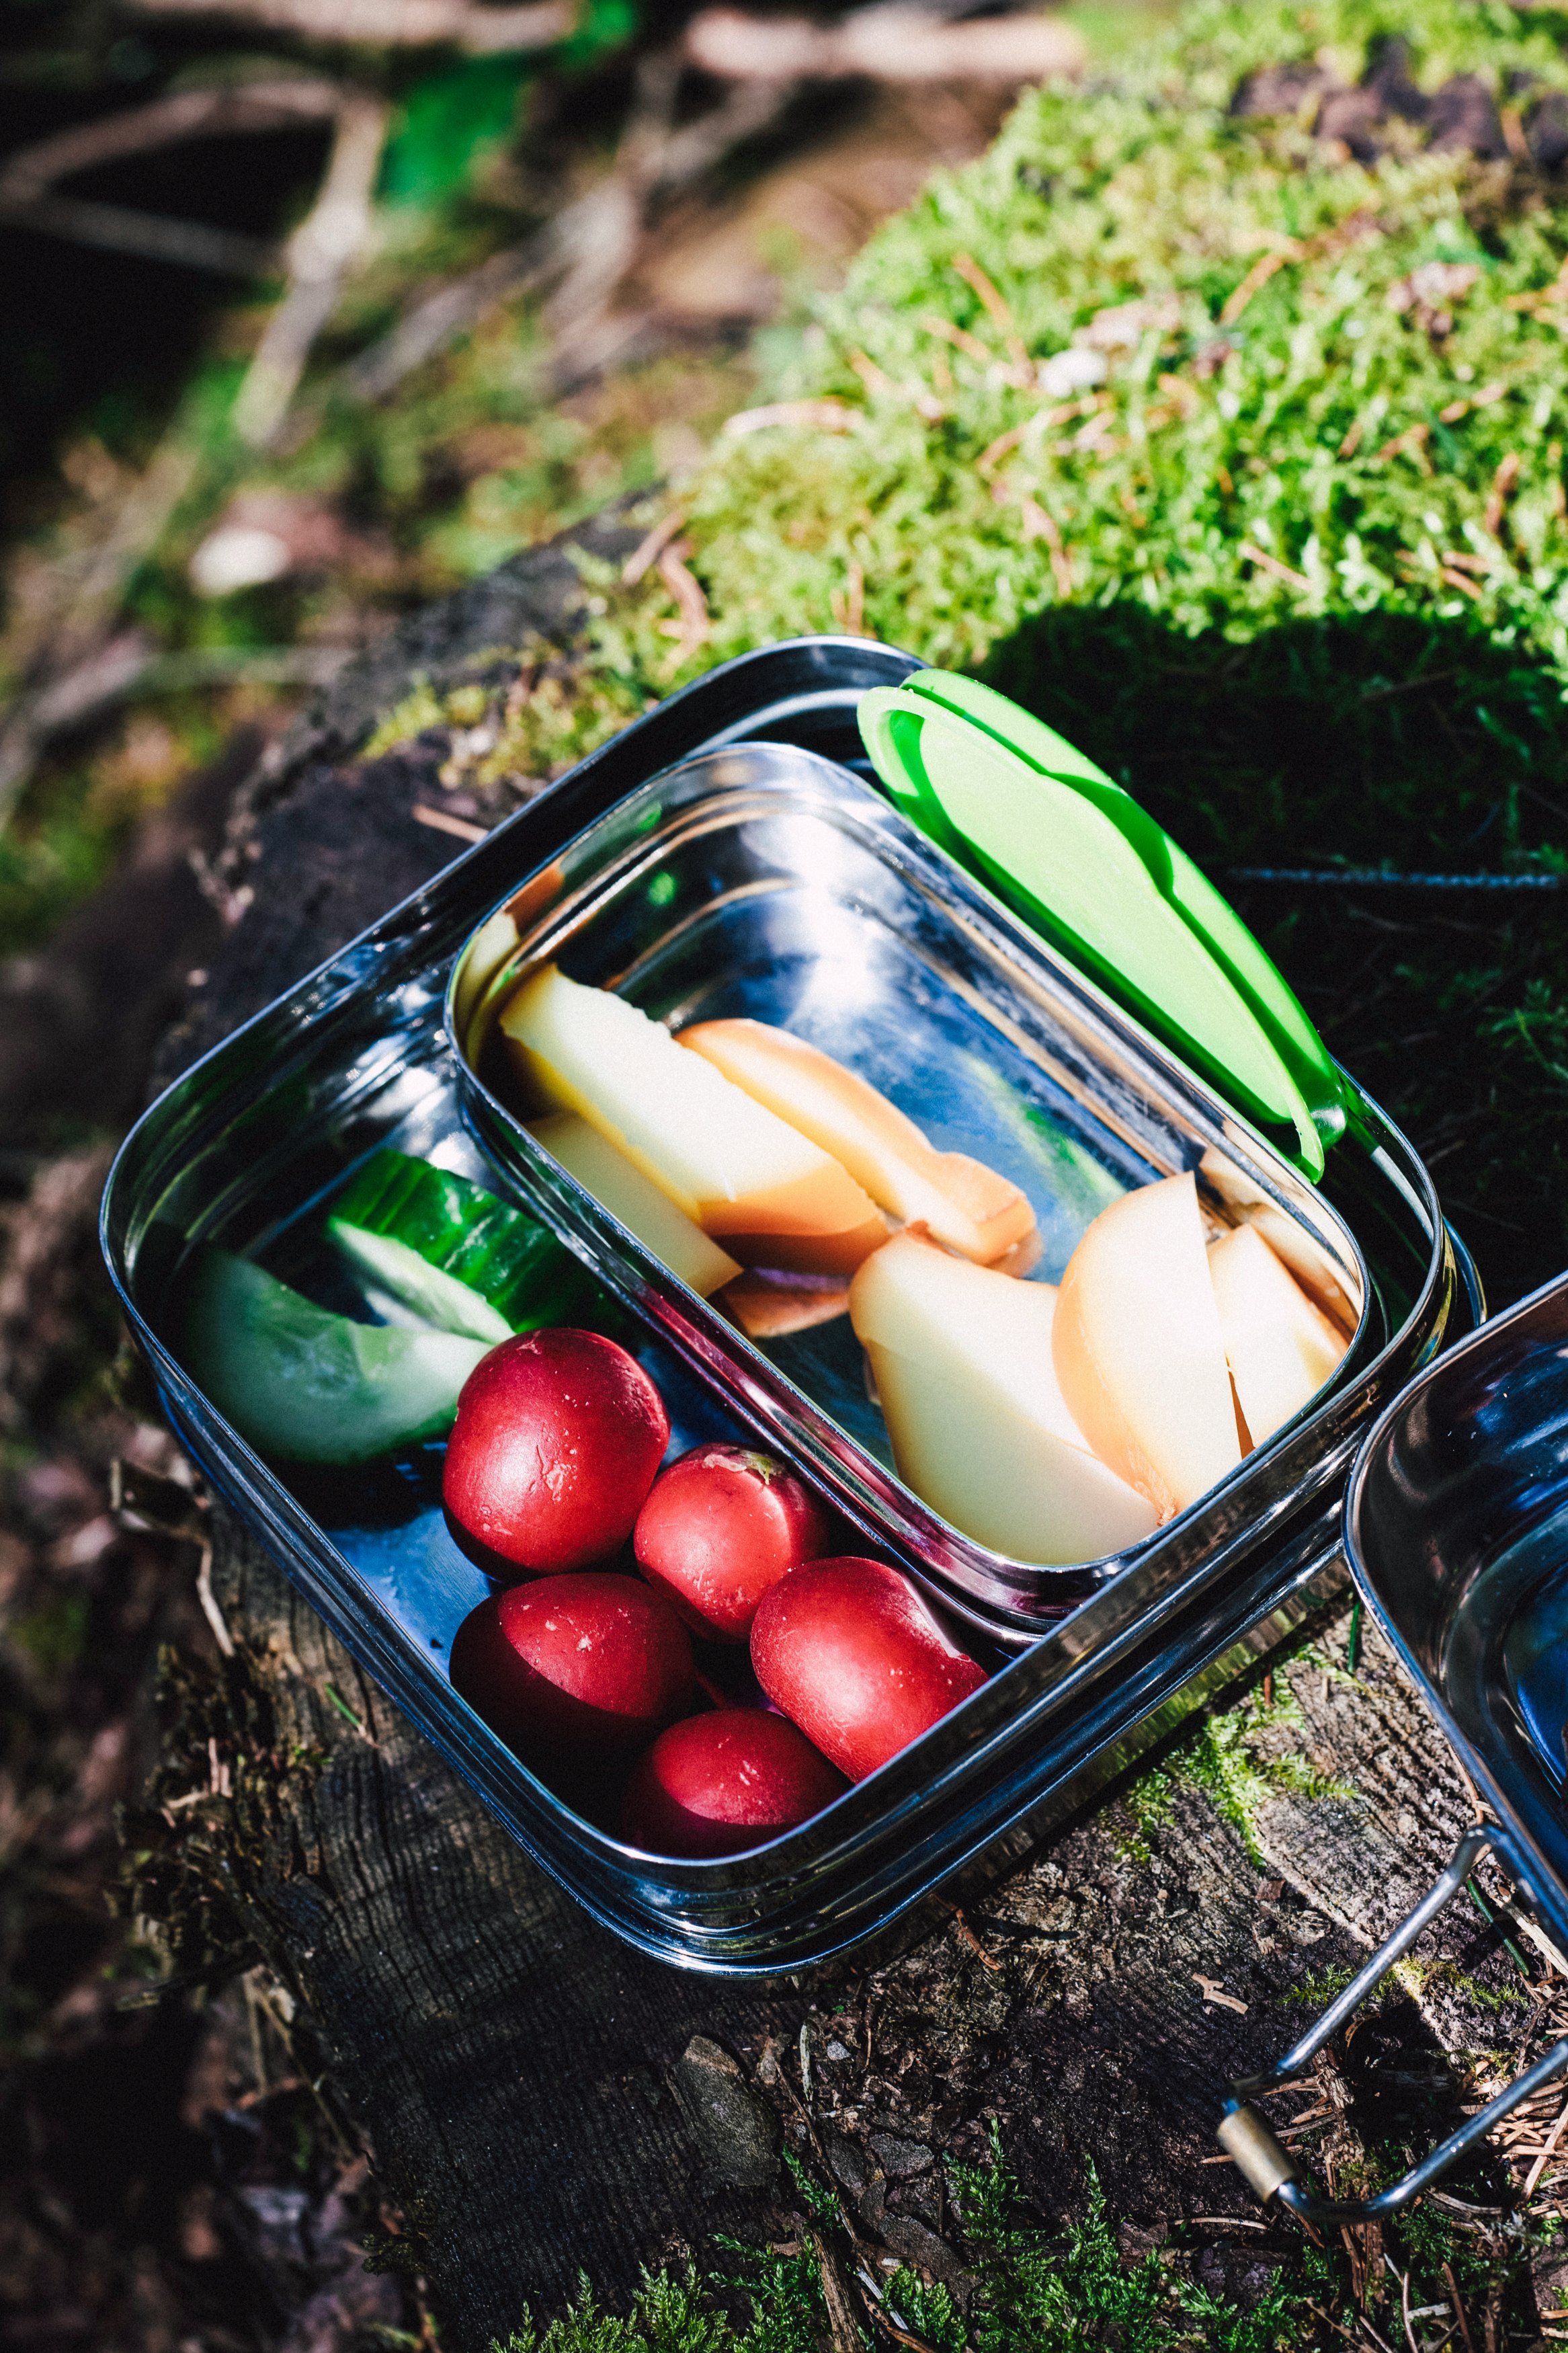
[720, 1526]
[718, 1784]
[558, 1438]
[574, 1665]
[851, 1652]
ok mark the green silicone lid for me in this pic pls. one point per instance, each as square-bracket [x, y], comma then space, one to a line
[1074, 853]
[1186, 885]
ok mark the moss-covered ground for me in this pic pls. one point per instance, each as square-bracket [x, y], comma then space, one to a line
[1032, 2291]
[1297, 569]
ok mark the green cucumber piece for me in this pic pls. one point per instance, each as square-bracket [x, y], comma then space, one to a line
[460, 1259]
[305, 1385]
[437, 1300]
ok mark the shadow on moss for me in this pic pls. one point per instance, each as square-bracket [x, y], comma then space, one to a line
[1378, 741]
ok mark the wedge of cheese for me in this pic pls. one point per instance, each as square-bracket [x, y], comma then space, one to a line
[1281, 1349]
[768, 1304]
[980, 1430]
[488, 950]
[767, 1194]
[1323, 1280]
[1139, 1349]
[675, 1239]
[970, 1208]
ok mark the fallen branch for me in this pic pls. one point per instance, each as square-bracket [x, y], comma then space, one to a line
[524, 268]
[284, 102]
[322, 251]
[388, 24]
[151, 236]
[897, 43]
[603, 230]
[29, 176]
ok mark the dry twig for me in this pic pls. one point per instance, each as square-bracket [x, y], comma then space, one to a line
[647, 551]
[694, 624]
[389, 24]
[320, 253]
[894, 43]
[31, 174]
[843, 2320]
[262, 105]
[583, 227]
[1502, 487]
[441, 820]
[1039, 524]
[815, 416]
[55, 700]
[1271, 563]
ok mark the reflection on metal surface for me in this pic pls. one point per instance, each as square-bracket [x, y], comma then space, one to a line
[1457, 1529]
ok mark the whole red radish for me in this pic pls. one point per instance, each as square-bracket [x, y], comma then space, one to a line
[718, 1784]
[851, 1652]
[720, 1526]
[557, 1441]
[574, 1665]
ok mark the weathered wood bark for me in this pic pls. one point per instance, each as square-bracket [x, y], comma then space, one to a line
[522, 2075]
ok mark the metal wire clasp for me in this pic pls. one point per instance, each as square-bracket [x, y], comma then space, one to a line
[1266, 2166]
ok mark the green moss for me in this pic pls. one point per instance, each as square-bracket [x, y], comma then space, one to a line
[1036, 2290]
[1422, 1979]
[1148, 1801]
[1223, 1758]
[1145, 190]
[1319, 1987]
[420, 708]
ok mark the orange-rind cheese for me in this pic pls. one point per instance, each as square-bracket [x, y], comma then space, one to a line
[767, 1194]
[967, 1206]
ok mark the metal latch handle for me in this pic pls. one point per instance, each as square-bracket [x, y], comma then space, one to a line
[1267, 2167]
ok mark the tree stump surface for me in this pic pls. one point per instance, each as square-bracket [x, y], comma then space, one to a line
[543, 2101]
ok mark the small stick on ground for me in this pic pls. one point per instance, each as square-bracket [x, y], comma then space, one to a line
[322, 251]
[209, 1601]
[1461, 2316]
[843, 2321]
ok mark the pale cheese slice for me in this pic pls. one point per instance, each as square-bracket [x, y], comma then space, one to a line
[675, 1239]
[1281, 1349]
[962, 1359]
[1139, 1350]
[966, 1205]
[767, 1194]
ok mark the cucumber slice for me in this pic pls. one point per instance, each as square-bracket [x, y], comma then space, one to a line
[458, 1257]
[305, 1385]
[437, 1300]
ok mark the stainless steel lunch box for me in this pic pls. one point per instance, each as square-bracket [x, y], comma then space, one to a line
[245, 1149]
